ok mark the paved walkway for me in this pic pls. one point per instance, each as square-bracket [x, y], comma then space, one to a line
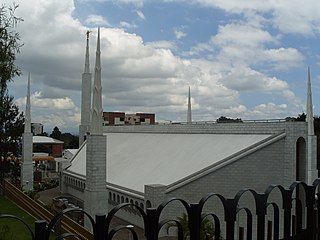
[46, 196]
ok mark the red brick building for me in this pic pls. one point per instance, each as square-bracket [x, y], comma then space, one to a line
[114, 118]
[121, 118]
[48, 145]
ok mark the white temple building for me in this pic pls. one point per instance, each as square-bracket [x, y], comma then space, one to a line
[146, 164]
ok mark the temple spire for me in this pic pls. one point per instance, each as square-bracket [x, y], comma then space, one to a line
[86, 61]
[311, 166]
[310, 119]
[96, 197]
[85, 96]
[27, 148]
[189, 116]
[96, 121]
[27, 125]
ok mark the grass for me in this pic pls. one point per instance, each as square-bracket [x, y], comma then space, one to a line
[13, 228]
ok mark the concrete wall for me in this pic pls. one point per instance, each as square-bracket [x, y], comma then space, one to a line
[245, 127]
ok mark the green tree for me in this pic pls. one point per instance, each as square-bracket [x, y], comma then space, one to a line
[11, 125]
[9, 45]
[206, 227]
[70, 141]
[223, 119]
[56, 134]
[11, 120]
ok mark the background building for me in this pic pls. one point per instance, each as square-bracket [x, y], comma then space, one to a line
[51, 146]
[122, 118]
[37, 128]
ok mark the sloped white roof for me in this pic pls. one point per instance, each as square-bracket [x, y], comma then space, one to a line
[137, 159]
[44, 139]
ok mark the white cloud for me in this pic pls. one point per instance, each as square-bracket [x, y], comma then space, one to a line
[140, 14]
[37, 101]
[283, 58]
[262, 111]
[137, 3]
[179, 34]
[97, 20]
[127, 25]
[244, 44]
[246, 79]
[289, 16]
[162, 44]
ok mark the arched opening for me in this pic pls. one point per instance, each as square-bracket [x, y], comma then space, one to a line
[148, 204]
[142, 206]
[301, 172]
[301, 160]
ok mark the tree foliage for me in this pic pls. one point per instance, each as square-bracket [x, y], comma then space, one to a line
[11, 125]
[207, 227]
[9, 45]
[223, 119]
[11, 120]
[56, 134]
[70, 141]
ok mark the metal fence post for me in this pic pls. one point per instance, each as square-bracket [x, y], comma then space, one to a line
[151, 230]
[100, 230]
[261, 208]
[194, 221]
[230, 217]
[40, 230]
[310, 202]
[287, 205]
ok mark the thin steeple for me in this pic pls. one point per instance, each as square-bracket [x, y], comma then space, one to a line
[85, 97]
[27, 124]
[96, 198]
[86, 61]
[27, 147]
[189, 116]
[310, 119]
[96, 120]
[311, 164]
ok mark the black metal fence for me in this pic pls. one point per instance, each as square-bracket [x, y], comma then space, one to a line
[288, 217]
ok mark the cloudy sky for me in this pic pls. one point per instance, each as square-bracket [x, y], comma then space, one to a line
[242, 58]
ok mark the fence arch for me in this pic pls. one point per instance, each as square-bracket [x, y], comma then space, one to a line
[152, 223]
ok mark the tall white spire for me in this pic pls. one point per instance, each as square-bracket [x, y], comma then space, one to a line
[310, 119]
[27, 147]
[27, 124]
[96, 121]
[189, 116]
[311, 168]
[96, 197]
[86, 61]
[85, 96]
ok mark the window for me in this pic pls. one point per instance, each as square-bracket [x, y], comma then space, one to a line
[148, 204]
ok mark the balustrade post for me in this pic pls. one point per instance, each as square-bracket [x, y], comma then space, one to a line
[151, 226]
[287, 205]
[261, 209]
[310, 202]
[230, 209]
[40, 230]
[100, 230]
[194, 219]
